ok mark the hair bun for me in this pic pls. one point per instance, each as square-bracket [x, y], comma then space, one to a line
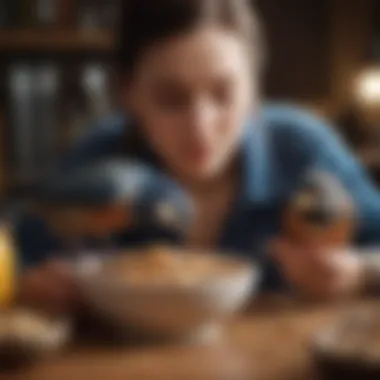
[145, 22]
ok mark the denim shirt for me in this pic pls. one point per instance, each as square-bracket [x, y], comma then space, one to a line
[279, 146]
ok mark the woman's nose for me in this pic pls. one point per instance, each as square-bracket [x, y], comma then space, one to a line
[202, 116]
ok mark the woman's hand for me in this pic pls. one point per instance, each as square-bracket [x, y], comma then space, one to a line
[317, 272]
[49, 287]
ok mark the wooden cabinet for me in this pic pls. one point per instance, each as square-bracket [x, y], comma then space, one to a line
[316, 48]
[298, 34]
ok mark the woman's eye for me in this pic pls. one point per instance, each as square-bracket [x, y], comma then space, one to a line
[171, 99]
[222, 93]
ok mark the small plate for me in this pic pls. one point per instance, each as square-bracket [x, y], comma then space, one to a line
[26, 336]
[341, 355]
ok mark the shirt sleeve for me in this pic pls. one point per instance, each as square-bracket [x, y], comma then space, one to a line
[99, 141]
[329, 152]
[35, 242]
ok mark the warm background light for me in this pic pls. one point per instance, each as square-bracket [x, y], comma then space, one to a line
[368, 86]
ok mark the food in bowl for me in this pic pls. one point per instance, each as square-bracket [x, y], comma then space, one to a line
[169, 266]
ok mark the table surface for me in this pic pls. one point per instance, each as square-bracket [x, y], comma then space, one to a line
[270, 341]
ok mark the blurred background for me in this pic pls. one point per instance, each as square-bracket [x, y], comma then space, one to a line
[56, 75]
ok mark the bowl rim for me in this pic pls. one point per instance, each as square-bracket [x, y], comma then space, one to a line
[247, 270]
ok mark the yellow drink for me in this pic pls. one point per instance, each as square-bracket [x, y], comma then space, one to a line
[7, 267]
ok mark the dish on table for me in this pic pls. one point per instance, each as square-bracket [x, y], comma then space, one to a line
[169, 292]
[26, 336]
[352, 346]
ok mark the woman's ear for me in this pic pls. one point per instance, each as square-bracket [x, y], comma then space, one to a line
[123, 89]
[124, 94]
[129, 97]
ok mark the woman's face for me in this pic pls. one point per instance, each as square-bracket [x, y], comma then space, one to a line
[191, 95]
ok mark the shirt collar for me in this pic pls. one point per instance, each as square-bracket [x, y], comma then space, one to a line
[256, 163]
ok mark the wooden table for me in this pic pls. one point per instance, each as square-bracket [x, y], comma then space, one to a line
[270, 342]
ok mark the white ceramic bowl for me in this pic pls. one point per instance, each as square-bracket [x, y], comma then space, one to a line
[171, 311]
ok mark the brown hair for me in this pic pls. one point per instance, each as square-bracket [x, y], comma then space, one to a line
[145, 22]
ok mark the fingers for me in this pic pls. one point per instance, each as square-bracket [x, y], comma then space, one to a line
[287, 259]
[49, 288]
[59, 271]
[306, 258]
[304, 267]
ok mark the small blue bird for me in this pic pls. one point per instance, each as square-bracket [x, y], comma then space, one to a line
[150, 198]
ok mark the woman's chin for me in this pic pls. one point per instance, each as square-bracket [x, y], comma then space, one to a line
[202, 173]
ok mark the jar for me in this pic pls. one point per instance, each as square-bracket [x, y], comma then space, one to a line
[321, 213]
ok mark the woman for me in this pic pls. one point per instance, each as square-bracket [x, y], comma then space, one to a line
[190, 76]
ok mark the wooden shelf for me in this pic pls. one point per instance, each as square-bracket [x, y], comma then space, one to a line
[56, 41]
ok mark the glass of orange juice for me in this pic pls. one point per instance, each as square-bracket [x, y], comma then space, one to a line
[7, 266]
